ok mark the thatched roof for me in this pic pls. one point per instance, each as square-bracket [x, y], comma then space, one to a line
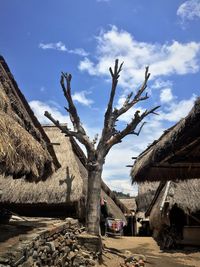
[116, 200]
[64, 185]
[184, 193]
[175, 155]
[25, 149]
[67, 185]
[130, 203]
[113, 209]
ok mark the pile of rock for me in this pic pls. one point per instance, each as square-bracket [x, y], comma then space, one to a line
[57, 246]
[134, 261]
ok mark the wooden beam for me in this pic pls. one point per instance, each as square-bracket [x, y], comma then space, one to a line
[54, 144]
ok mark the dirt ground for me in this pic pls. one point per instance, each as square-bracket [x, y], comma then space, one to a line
[117, 248]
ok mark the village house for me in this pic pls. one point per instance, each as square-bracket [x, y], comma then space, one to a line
[174, 161]
[35, 153]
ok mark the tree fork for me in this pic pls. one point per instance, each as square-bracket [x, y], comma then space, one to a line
[109, 137]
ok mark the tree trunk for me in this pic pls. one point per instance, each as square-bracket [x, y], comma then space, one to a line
[93, 200]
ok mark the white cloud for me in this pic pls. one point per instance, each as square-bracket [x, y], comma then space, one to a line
[166, 95]
[115, 172]
[56, 46]
[159, 83]
[40, 107]
[126, 117]
[122, 185]
[61, 47]
[81, 98]
[87, 65]
[189, 10]
[163, 59]
[78, 51]
[177, 110]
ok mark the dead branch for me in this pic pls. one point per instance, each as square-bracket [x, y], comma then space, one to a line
[130, 128]
[66, 78]
[109, 123]
[110, 135]
[115, 76]
[138, 132]
[138, 97]
[82, 138]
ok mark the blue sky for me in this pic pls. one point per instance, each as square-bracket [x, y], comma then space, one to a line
[39, 39]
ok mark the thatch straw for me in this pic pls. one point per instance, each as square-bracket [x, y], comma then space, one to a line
[113, 196]
[14, 104]
[130, 203]
[20, 154]
[67, 185]
[4, 102]
[146, 192]
[113, 209]
[184, 193]
[175, 156]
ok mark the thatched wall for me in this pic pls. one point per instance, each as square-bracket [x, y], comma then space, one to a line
[24, 148]
[146, 192]
[65, 190]
[185, 194]
[64, 185]
[175, 156]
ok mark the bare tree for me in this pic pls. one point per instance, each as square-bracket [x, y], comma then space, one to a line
[110, 136]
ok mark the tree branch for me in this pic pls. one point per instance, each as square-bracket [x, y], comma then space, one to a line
[82, 138]
[115, 75]
[138, 132]
[128, 104]
[64, 129]
[108, 120]
[130, 128]
[71, 107]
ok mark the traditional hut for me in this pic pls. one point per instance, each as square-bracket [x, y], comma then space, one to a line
[130, 203]
[174, 213]
[64, 192]
[146, 192]
[25, 149]
[131, 228]
[174, 160]
[175, 155]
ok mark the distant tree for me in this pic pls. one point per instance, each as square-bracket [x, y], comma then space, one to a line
[121, 194]
[110, 136]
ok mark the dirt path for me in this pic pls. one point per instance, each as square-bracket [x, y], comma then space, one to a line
[115, 249]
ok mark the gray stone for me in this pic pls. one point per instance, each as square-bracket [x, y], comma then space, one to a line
[35, 254]
[78, 261]
[71, 255]
[51, 245]
[4, 260]
[55, 254]
[28, 263]
[85, 255]
[91, 262]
